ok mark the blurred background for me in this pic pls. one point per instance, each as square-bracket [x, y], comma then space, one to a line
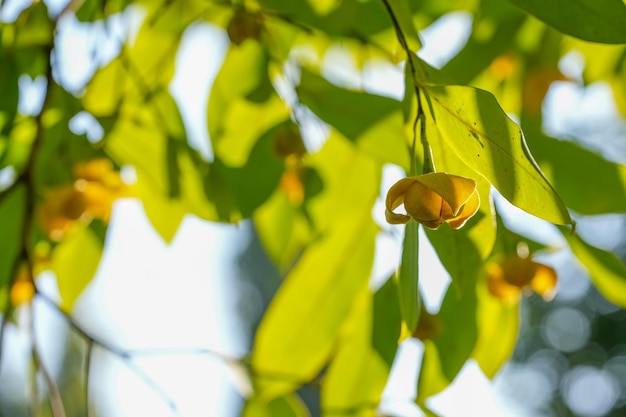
[177, 319]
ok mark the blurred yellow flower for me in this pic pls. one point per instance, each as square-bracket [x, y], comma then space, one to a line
[23, 289]
[91, 196]
[512, 275]
[432, 199]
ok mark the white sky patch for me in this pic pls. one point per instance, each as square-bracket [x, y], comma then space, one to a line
[198, 61]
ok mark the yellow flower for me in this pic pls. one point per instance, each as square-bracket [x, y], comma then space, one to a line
[91, 196]
[509, 277]
[23, 289]
[432, 199]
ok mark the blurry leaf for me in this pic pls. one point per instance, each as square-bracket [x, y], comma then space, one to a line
[591, 20]
[587, 182]
[9, 91]
[34, 27]
[141, 71]
[243, 104]
[498, 327]
[366, 119]
[254, 182]
[359, 370]
[473, 125]
[495, 26]
[288, 405]
[402, 12]
[607, 271]
[11, 219]
[145, 148]
[300, 327]
[408, 277]
[447, 352]
[386, 321]
[75, 262]
[301, 324]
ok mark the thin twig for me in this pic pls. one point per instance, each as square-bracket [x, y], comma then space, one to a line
[86, 382]
[420, 116]
[54, 395]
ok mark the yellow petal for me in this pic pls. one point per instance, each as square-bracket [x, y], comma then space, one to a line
[498, 285]
[423, 204]
[467, 211]
[454, 189]
[544, 281]
[395, 197]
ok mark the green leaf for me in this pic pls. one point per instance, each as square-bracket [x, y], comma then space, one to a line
[473, 125]
[447, 352]
[607, 271]
[588, 183]
[9, 91]
[359, 370]
[366, 119]
[403, 14]
[463, 251]
[408, 277]
[498, 327]
[495, 26]
[299, 330]
[596, 21]
[288, 405]
[255, 182]
[145, 148]
[386, 324]
[243, 104]
[11, 219]
[75, 262]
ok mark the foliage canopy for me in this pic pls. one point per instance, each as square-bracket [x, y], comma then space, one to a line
[478, 118]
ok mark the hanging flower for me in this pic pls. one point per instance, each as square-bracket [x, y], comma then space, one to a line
[432, 199]
[508, 278]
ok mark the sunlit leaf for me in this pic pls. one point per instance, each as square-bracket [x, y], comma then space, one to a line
[366, 348]
[591, 20]
[320, 289]
[446, 353]
[473, 126]
[408, 277]
[598, 187]
[607, 271]
[401, 10]
[75, 262]
[496, 24]
[498, 327]
[288, 405]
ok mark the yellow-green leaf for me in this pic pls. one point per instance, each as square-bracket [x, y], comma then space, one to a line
[607, 271]
[588, 183]
[408, 277]
[402, 12]
[591, 20]
[299, 329]
[373, 122]
[473, 125]
[75, 262]
[288, 405]
[498, 327]
[366, 348]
